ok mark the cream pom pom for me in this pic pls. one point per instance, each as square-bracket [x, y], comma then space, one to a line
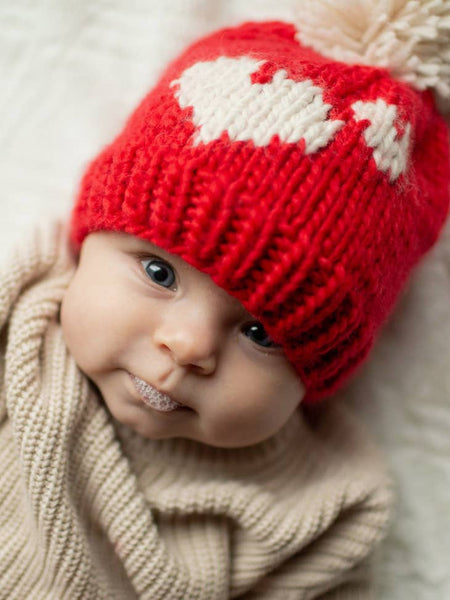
[409, 37]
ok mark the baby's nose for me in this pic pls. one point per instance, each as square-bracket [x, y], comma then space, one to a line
[191, 338]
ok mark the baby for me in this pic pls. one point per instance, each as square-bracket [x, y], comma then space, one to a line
[172, 354]
[233, 253]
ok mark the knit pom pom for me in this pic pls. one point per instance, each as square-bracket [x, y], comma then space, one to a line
[411, 38]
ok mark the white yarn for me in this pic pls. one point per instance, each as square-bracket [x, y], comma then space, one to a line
[409, 37]
[224, 99]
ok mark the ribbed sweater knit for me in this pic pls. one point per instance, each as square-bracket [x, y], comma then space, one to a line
[90, 510]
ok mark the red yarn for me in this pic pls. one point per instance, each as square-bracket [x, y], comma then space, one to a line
[314, 229]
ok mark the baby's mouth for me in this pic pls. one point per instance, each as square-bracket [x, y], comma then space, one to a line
[153, 397]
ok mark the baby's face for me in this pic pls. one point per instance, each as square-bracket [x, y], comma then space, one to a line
[172, 354]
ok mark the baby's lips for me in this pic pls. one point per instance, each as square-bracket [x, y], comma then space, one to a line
[153, 397]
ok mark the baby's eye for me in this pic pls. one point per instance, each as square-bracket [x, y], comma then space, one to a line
[159, 271]
[257, 334]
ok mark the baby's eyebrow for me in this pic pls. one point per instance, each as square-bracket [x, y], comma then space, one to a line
[135, 244]
[240, 310]
[140, 244]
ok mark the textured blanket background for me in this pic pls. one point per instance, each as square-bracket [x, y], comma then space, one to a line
[71, 71]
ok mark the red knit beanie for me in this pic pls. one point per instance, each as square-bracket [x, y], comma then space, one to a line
[305, 187]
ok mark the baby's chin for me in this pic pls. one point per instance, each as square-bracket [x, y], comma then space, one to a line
[177, 424]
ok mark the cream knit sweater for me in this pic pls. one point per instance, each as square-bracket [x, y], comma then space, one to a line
[89, 510]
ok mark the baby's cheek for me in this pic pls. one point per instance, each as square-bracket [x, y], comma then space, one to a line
[72, 323]
[80, 322]
[254, 405]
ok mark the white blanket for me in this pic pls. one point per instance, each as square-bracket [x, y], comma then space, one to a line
[71, 71]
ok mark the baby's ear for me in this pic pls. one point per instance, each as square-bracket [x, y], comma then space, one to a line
[76, 246]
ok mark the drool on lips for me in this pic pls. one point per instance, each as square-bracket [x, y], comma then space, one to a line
[154, 398]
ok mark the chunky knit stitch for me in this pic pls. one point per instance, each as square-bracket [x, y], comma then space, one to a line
[305, 187]
[90, 510]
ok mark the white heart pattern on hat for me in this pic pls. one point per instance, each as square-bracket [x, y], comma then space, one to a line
[224, 99]
[381, 135]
